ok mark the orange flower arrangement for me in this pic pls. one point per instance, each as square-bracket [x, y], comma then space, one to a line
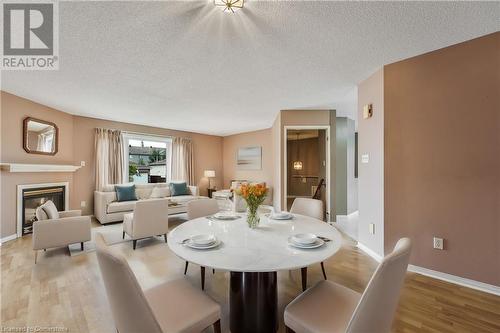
[254, 196]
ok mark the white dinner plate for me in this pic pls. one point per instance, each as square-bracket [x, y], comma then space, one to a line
[305, 238]
[203, 239]
[281, 216]
[203, 247]
[314, 245]
[225, 216]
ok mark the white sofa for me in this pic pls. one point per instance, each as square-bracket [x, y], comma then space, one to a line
[107, 209]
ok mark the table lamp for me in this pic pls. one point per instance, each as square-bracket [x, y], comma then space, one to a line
[209, 174]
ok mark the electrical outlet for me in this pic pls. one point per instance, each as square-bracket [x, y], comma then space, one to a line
[82, 163]
[371, 227]
[438, 243]
[83, 204]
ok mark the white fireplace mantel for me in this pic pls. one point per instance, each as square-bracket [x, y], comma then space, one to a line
[25, 167]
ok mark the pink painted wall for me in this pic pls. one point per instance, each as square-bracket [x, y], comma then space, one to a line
[442, 157]
[231, 143]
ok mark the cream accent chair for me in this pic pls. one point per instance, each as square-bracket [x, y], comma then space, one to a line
[174, 306]
[69, 228]
[312, 208]
[330, 308]
[150, 218]
[200, 208]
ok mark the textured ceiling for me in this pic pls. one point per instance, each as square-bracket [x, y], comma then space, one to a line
[186, 65]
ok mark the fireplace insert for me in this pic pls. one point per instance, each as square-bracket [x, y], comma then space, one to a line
[35, 197]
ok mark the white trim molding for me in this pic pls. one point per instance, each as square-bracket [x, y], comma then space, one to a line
[7, 238]
[481, 286]
[369, 251]
[22, 187]
[20, 167]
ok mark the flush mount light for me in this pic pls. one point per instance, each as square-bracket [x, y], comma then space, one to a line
[229, 5]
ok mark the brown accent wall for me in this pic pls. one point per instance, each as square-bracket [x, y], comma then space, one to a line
[231, 143]
[307, 151]
[76, 144]
[442, 157]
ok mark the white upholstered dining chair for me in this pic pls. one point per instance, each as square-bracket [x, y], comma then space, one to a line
[200, 208]
[174, 306]
[149, 219]
[312, 208]
[329, 307]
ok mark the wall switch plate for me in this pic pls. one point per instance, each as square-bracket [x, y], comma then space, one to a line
[365, 158]
[438, 243]
[83, 204]
[82, 163]
[371, 227]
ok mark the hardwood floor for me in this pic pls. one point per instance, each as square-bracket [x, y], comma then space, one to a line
[68, 292]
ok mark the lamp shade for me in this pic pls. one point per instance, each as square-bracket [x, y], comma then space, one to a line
[210, 173]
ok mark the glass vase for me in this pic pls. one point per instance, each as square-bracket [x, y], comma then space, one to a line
[253, 219]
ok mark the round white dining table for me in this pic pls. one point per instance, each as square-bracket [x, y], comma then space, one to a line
[253, 256]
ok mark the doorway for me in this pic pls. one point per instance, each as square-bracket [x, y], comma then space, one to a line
[307, 162]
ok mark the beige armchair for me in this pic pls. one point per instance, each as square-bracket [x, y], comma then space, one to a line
[150, 218]
[68, 227]
[333, 308]
[173, 306]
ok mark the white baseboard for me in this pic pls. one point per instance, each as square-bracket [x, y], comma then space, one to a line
[487, 288]
[481, 286]
[348, 224]
[370, 252]
[7, 238]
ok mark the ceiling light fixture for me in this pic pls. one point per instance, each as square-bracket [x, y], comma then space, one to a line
[229, 5]
[297, 165]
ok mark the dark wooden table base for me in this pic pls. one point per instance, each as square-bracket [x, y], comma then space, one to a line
[253, 302]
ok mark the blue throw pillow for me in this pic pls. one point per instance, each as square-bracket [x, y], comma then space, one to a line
[179, 189]
[125, 193]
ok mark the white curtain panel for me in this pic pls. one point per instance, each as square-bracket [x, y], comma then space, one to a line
[109, 157]
[46, 141]
[182, 160]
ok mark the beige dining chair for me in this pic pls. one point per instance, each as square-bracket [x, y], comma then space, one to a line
[329, 307]
[200, 208]
[174, 306]
[149, 219]
[312, 208]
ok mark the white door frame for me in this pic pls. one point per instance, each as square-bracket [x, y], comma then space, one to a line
[285, 159]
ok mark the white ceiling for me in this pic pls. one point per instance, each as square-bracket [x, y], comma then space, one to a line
[186, 65]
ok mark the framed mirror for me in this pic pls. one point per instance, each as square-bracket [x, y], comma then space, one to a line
[40, 136]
